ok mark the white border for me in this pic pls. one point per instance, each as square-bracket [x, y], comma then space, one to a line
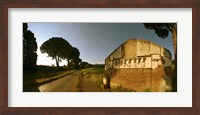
[183, 98]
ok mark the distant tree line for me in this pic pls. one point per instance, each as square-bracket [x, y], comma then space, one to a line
[84, 65]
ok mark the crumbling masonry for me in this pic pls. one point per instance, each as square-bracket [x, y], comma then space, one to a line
[139, 65]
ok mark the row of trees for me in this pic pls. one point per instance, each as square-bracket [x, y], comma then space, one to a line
[56, 47]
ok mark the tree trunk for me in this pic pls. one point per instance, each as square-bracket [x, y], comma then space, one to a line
[67, 62]
[174, 36]
[57, 61]
[174, 80]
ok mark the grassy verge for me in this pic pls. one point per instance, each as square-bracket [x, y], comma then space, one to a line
[121, 89]
[44, 74]
[92, 79]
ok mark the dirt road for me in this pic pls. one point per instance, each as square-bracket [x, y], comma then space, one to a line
[66, 83]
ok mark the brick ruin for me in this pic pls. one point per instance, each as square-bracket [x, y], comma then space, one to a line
[139, 65]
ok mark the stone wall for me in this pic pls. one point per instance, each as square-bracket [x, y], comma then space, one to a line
[140, 79]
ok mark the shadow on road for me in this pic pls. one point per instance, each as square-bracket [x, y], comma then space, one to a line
[31, 88]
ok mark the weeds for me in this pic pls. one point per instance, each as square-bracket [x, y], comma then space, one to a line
[147, 90]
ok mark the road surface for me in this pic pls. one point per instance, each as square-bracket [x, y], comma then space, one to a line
[64, 84]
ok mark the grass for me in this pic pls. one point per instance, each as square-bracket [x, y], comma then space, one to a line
[93, 76]
[54, 77]
[121, 89]
[147, 90]
[44, 72]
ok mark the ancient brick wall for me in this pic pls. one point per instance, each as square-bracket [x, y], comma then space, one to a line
[139, 79]
[139, 65]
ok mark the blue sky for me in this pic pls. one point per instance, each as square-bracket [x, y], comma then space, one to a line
[95, 41]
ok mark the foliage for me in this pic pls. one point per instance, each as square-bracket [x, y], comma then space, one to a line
[161, 29]
[74, 60]
[57, 48]
[60, 49]
[99, 65]
[29, 49]
[84, 65]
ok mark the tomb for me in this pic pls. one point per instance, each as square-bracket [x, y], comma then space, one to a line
[139, 65]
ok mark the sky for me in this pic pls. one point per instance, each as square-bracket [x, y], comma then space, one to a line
[95, 41]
